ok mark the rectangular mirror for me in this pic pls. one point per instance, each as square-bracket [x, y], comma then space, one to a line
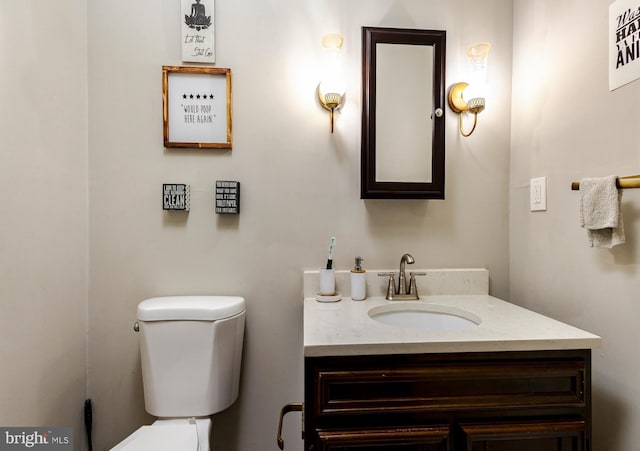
[402, 116]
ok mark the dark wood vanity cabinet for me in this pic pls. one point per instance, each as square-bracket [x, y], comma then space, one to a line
[497, 401]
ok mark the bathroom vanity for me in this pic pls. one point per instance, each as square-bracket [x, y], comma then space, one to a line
[513, 380]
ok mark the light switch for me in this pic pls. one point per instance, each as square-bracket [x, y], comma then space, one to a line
[538, 194]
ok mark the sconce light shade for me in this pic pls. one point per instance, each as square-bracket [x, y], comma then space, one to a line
[477, 56]
[331, 89]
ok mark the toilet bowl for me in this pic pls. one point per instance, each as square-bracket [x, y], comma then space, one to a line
[190, 349]
[180, 434]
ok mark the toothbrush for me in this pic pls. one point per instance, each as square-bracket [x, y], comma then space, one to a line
[331, 246]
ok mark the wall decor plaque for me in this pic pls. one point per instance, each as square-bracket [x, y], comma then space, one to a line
[227, 197]
[176, 196]
[198, 31]
[196, 107]
[624, 42]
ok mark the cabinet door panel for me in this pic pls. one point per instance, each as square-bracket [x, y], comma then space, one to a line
[406, 439]
[560, 435]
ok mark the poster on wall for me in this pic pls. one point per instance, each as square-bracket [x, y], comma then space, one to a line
[196, 107]
[624, 42]
[198, 36]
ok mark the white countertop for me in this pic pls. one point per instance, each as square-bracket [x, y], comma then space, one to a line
[345, 328]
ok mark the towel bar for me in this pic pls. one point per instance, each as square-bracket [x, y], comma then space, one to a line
[630, 181]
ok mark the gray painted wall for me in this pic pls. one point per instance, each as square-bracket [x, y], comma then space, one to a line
[567, 125]
[300, 185]
[43, 224]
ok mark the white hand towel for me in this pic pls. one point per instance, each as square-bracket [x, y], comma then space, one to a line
[600, 211]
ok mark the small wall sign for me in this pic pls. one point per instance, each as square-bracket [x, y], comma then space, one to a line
[196, 107]
[198, 36]
[176, 196]
[624, 42]
[227, 197]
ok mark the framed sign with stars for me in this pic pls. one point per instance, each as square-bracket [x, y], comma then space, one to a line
[196, 107]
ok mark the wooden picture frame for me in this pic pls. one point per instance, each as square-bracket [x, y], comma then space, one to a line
[196, 105]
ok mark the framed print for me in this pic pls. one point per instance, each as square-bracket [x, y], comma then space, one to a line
[198, 35]
[624, 47]
[196, 105]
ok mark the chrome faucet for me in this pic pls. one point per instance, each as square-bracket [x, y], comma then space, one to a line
[401, 292]
[402, 278]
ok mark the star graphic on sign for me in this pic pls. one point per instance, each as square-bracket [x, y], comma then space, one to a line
[199, 96]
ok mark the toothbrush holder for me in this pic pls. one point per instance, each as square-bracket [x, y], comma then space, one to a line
[327, 282]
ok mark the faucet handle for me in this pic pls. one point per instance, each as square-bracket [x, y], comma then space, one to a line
[391, 287]
[413, 286]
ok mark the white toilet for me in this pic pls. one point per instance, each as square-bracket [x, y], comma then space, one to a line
[190, 347]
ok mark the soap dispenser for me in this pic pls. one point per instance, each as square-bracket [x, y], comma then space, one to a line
[358, 281]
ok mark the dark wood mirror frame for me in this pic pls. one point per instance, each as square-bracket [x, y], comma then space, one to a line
[370, 187]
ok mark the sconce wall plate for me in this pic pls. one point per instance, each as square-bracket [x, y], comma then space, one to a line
[456, 101]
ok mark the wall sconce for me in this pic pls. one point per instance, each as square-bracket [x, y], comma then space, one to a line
[331, 88]
[476, 88]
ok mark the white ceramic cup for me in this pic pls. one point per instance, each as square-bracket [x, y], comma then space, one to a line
[327, 282]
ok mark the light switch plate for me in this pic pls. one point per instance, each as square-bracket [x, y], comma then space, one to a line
[538, 194]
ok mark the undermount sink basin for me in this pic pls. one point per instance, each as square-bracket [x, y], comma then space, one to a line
[431, 317]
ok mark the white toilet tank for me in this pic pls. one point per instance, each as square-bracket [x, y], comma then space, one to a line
[191, 348]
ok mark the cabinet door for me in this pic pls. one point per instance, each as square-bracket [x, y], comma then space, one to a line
[559, 435]
[400, 439]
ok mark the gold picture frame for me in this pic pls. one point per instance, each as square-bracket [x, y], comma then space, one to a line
[196, 105]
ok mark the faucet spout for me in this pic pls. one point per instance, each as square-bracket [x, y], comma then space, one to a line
[402, 278]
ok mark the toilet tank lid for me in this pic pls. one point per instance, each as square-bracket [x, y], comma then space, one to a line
[195, 308]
